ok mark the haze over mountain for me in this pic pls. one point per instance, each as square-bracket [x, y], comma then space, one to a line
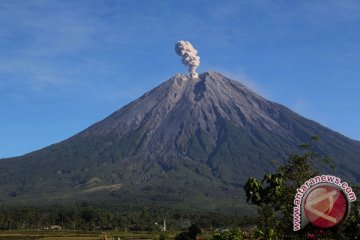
[189, 142]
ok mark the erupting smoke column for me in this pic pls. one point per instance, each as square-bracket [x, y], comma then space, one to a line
[189, 57]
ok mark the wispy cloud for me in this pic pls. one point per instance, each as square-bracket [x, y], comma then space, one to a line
[37, 36]
[334, 11]
[300, 106]
[247, 80]
[47, 44]
[34, 75]
[45, 28]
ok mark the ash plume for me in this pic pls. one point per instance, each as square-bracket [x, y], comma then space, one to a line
[189, 57]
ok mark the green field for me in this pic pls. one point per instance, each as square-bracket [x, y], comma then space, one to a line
[81, 235]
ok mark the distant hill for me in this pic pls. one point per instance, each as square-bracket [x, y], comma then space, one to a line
[187, 143]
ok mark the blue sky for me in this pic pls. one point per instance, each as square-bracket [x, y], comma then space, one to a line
[66, 64]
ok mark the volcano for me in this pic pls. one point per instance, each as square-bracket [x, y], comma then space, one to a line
[188, 142]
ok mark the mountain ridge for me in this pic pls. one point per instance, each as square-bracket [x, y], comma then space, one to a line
[200, 138]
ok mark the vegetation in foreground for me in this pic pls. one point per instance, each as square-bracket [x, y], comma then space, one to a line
[87, 217]
[273, 195]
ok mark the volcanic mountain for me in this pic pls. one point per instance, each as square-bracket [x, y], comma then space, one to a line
[188, 142]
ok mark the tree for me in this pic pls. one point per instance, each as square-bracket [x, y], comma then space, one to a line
[194, 231]
[274, 194]
[228, 235]
[191, 234]
[351, 227]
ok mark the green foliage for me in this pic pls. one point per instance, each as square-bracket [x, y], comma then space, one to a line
[191, 233]
[228, 235]
[194, 231]
[182, 236]
[274, 194]
[162, 237]
[350, 229]
[258, 194]
[87, 216]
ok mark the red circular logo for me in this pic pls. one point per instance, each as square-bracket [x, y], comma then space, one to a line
[325, 206]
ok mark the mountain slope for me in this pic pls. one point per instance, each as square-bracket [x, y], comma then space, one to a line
[188, 142]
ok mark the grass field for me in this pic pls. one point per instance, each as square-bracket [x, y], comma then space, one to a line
[77, 235]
